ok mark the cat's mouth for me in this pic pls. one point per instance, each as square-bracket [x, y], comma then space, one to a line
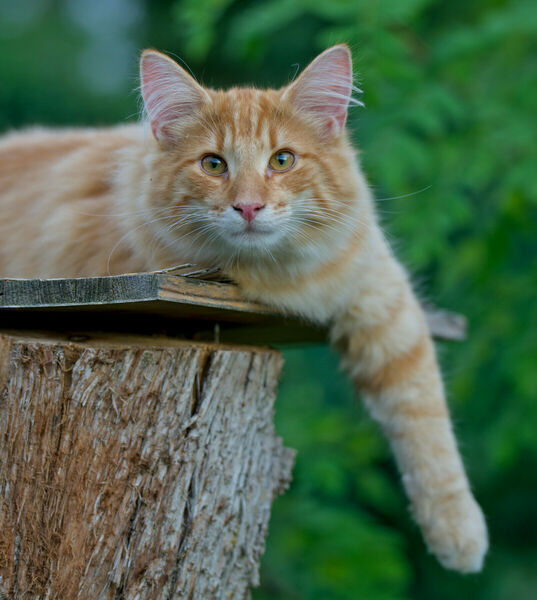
[254, 236]
[253, 230]
[249, 233]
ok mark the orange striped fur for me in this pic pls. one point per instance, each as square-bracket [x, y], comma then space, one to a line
[305, 240]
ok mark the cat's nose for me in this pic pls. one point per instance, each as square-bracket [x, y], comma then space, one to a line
[249, 211]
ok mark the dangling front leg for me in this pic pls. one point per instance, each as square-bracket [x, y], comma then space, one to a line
[388, 351]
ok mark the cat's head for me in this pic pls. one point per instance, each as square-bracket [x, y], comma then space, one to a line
[245, 173]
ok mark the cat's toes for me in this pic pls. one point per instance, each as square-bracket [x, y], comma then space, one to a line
[456, 532]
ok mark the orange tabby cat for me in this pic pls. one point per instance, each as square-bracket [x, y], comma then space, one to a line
[265, 185]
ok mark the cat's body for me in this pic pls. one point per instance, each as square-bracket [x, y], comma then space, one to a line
[58, 201]
[265, 185]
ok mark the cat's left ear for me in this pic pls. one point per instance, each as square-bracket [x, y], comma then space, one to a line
[324, 90]
[169, 93]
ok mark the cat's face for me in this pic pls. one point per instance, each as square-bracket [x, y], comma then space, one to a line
[249, 173]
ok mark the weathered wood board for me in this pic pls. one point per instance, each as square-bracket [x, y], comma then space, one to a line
[162, 301]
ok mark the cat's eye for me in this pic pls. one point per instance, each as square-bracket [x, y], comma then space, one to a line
[282, 160]
[213, 165]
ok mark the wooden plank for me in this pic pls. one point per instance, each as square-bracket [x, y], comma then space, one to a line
[167, 301]
[33, 293]
[223, 296]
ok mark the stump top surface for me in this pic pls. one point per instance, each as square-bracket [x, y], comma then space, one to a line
[119, 341]
[165, 302]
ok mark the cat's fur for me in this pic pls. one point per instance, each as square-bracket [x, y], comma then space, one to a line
[134, 198]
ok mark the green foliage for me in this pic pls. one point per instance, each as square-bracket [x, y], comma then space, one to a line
[447, 140]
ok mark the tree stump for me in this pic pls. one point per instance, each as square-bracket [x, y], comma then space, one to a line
[135, 468]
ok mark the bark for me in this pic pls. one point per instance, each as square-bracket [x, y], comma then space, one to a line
[135, 469]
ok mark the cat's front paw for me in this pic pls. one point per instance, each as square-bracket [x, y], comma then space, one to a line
[456, 533]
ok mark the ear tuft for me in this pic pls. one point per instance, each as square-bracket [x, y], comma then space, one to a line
[169, 93]
[324, 89]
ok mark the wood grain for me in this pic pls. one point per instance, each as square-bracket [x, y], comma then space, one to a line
[134, 469]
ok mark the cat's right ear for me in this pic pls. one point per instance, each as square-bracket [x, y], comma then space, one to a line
[169, 93]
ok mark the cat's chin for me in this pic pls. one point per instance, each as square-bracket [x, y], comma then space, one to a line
[252, 237]
[262, 238]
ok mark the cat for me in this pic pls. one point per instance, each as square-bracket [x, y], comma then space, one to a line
[266, 185]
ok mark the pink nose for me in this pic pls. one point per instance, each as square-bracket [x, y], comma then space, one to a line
[249, 211]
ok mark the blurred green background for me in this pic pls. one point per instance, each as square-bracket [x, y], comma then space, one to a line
[448, 137]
